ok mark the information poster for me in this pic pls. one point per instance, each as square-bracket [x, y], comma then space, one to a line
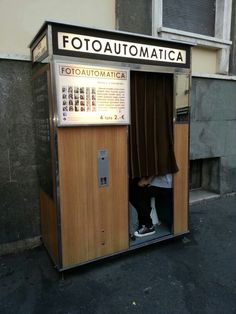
[92, 95]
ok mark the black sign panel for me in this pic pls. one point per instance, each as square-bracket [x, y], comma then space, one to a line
[114, 46]
[43, 150]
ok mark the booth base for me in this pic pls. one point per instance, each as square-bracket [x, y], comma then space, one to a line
[140, 245]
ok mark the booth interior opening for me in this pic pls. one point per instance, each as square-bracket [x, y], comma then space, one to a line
[151, 156]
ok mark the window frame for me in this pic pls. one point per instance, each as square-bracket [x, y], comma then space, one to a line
[220, 42]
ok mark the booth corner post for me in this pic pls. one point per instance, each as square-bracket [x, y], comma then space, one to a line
[81, 82]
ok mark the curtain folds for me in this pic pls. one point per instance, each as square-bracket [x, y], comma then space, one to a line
[151, 129]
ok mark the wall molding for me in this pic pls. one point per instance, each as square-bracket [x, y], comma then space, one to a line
[193, 38]
[214, 76]
[13, 56]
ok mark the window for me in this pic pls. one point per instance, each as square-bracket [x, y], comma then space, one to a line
[190, 16]
[205, 23]
[204, 174]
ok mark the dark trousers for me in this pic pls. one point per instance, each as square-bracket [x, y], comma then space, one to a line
[140, 198]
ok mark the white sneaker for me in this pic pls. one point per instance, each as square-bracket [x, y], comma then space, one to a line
[144, 231]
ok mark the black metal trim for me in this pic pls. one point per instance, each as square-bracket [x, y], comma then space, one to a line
[117, 36]
[34, 45]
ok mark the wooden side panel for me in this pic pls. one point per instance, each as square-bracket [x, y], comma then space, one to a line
[181, 188]
[49, 225]
[94, 220]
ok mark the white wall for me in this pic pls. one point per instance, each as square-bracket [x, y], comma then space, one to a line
[204, 60]
[21, 19]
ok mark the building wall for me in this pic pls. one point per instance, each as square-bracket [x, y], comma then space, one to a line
[204, 60]
[22, 23]
[232, 68]
[18, 183]
[134, 16]
[19, 204]
[213, 100]
[213, 128]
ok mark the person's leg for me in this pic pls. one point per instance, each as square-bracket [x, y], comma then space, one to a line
[143, 206]
[164, 203]
[140, 199]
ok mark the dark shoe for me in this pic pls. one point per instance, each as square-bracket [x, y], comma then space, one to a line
[144, 231]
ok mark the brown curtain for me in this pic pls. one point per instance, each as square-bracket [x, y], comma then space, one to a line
[151, 129]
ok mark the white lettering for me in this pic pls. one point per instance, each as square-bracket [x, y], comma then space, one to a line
[88, 72]
[111, 47]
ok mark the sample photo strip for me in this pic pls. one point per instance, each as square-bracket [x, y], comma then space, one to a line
[78, 99]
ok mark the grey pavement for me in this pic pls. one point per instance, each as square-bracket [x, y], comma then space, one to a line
[193, 274]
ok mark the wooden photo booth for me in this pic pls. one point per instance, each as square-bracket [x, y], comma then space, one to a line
[87, 84]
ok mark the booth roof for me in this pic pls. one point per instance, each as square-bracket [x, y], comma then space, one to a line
[46, 23]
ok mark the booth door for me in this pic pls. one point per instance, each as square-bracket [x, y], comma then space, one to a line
[94, 219]
[159, 146]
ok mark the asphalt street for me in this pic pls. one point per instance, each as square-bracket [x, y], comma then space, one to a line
[193, 274]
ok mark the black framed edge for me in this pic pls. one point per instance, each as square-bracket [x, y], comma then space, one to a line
[119, 36]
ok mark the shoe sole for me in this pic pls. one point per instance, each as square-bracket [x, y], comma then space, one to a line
[144, 235]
